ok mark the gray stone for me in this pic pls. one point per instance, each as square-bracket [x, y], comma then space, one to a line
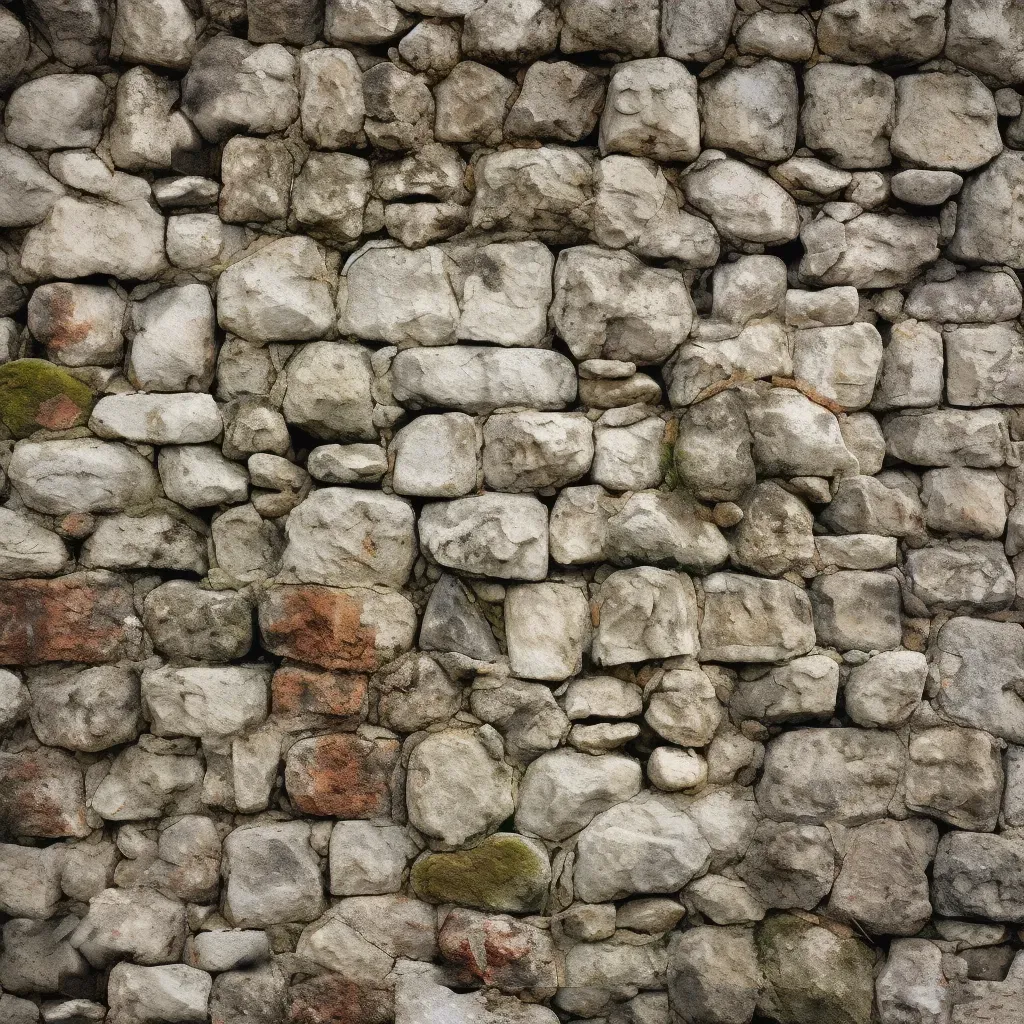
[138, 925]
[750, 619]
[503, 535]
[547, 629]
[977, 875]
[816, 776]
[328, 391]
[453, 622]
[477, 380]
[562, 791]
[961, 576]
[885, 690]
[525, 451]
[172, 993]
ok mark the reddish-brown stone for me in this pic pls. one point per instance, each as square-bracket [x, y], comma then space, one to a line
[42, 795]
[331, 999]
[82, 617]
[300, 690]
[341, 775]
[319, 625]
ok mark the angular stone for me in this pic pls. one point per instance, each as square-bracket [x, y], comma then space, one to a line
[156, 541]
[341, 776]
[397, 295]
[352, 630]
[331, 98]
[986, 37]
[80, 238]
[749, 619]
[28, 191]
[816, 776]
[563, 790]
[962, 576]
[956, 776]
[751, 110]
[547, 629]
[977, 666]
[85, 617]
[273, 875]
[212, 702]
[79, 324]
[857, 611]
[175, 992]
[30, 884]
[28, 549]
[559, 101]
[318, 696]
[802, 690]
[347, 537]
[973, 296]
[742, 202]
[56, 112]
[526, 451]
[367, 858]
[811, 972]
[257, 178]
[651, 110]
[480, 380]
[198, 476]
[137, 924]
[611, 306]
[540, 193]
[283, 292]
[713, 974]
[828, 90]
[793, 436]
[885, 690]
[526, 714]
[364, 21]
[841, 363]
[503, 535]
[145, 784]
[643, 614]
[696, 30]
[988, 229]
[978, 875]
[648, 844]
[437, 456]
[912, 367]
[984, 365]
[948, 437]
[233, 86]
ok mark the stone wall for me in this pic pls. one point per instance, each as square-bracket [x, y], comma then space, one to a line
[509, 511]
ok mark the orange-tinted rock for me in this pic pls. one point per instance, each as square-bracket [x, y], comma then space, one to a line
[82, 617]
[42, 795]
[331, 999]
[341, 775]
[354, 630]
[299, 690]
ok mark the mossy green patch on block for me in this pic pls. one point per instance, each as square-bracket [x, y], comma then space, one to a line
[813, 975]
[506, 872]
[36, 395]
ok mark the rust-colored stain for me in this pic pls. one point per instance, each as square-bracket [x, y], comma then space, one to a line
[58, 413]
[333, 999]
[318, 625]
[68, 619]
[484, 956]
[300, 690]
[65, 330]
[33, 799]
[341, 775]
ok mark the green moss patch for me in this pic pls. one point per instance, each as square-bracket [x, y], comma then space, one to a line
[37, 395]
[505, 872]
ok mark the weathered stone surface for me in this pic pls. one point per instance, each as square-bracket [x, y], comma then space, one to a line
[273, 875]
[975, 875]
[350, 629]
[459, 787]
[84, 617]
[479, 380]
[341, 776]
[820, 775]
[503, 535]
[748, 619]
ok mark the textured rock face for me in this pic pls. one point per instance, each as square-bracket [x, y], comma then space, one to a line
[510, 511]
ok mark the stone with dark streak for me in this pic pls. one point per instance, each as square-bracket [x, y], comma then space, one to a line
[42, 795]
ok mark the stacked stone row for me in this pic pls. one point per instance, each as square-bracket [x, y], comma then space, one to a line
[508, 512]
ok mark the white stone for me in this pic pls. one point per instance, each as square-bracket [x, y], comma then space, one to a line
[157, 419]
[547, 628]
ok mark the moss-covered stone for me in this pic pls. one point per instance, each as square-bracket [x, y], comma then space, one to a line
[506, 872]
[812, 975]
[37, 395]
